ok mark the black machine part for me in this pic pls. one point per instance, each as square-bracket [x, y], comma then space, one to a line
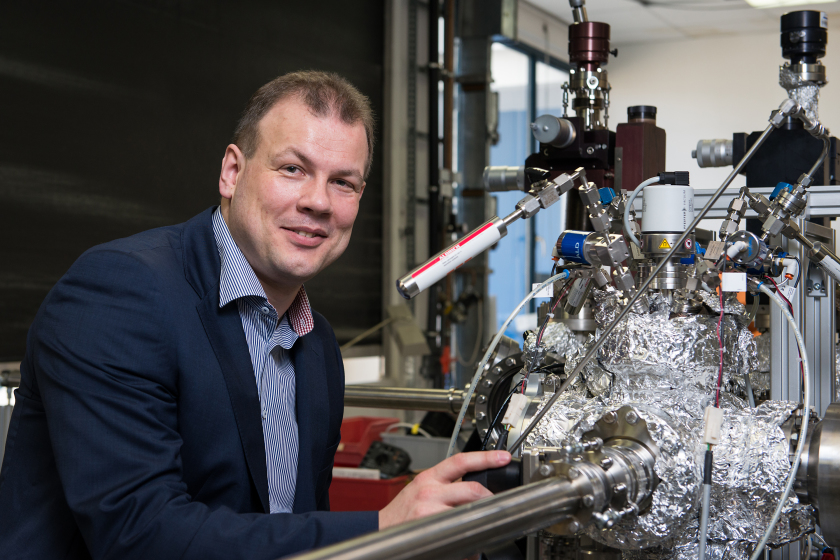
[804, 36]
[498, 480]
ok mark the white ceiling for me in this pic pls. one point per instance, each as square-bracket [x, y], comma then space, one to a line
[645, 21]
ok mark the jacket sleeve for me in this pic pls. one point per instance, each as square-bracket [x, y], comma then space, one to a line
[107, 377]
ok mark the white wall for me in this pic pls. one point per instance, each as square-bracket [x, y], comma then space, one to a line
[710, 88]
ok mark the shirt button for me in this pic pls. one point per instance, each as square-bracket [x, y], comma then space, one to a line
[264, 414]
[265, 310]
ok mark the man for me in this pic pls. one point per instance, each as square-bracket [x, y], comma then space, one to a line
[179, 398]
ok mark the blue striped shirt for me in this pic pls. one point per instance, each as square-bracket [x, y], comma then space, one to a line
[269, 340]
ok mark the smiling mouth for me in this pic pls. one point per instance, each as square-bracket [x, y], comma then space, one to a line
[307, 234]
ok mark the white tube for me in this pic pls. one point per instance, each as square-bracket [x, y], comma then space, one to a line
[480, 368]
[627, 231]
[806, 381]
[736, 248]
[790, 265]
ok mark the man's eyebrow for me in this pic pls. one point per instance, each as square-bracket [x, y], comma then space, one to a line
[308, 162]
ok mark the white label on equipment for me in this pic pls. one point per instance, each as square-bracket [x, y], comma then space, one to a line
[734, 282]
[347, 472]
[824, 20]
[547, 291]
[788, 292]
[831, 267]
[515, 410]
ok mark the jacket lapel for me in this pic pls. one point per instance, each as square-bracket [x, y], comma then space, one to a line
[312, 418]
[224, 330]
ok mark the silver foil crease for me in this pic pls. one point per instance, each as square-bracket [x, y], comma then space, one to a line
[804, 92]
[667, 367]
[837, 377]
[656, 350]
[557, 339]
[760, 377]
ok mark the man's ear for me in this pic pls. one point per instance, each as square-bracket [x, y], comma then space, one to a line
[362, 190]
[233, 164]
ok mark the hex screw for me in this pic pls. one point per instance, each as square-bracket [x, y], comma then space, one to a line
[480, 416]
[610, 417]
[620, 488]
[574, 526]
[546, 470]
[510, 362]
[573, 473]
[631, 417]
[482, 399]
[488, 382]
[588, 500]
[606, 463]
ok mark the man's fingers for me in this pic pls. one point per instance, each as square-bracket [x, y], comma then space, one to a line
[458, 465]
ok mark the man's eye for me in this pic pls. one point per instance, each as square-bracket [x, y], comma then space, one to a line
[345, 185]
[292, 168]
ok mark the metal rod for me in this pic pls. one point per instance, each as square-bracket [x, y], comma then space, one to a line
[404, 398]
[464, 530]
[603, 337]
[823, 154]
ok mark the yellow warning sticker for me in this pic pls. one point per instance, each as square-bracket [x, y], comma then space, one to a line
[664, 244]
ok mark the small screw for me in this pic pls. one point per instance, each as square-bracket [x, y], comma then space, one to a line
[610, 417]
[590, 150]
[631, 417]
[606, 463]
[588, 500]
[482, 399]
[488, 382]
[574, 526]
[546, 470]
[510, 362]
[573, 473]
[497, 369]
[620, 488]
[480, 416]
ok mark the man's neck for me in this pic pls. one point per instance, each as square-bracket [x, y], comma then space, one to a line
[280, 298]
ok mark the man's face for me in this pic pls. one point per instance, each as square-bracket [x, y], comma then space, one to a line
[292, 205]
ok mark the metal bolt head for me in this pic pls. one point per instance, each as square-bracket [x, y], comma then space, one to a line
[480, 416]
[510, 362]
[620, 488]
[546, 470]
[606, 463]
[588, 500]
[590, 150]
[574, 526]
[610, 417]
[482, 399]
[573, 472]
[488, 382]
[497, 369]
[631, 417]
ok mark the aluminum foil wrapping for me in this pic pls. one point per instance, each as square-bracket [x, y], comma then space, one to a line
[837, 377]
[656, 350]
[760, 377]
[806, 93]
[666, 367]
[557, 339]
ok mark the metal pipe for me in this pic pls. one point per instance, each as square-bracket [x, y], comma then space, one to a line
[608, 331]
[464, 530]
[405, 398]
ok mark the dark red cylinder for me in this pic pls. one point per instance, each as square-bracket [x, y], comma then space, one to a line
[589, 41]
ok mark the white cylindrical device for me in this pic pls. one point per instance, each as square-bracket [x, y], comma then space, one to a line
[472, 244]
[667, 208]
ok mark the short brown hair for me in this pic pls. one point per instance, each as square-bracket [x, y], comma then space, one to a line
[325, 93]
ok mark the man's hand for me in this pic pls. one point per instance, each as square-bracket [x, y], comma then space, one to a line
[439, 488]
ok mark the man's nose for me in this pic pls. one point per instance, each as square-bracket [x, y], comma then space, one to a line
[315, 196]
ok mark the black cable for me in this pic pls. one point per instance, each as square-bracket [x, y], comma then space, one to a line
[498, 414]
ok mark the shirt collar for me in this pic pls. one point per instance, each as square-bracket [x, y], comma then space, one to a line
[238, 280]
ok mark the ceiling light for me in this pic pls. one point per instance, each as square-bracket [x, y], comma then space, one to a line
[783, 3]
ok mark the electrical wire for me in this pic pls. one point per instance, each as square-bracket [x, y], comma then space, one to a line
[478, 371]
[803, 432]
[479, 313]
[629, 205]
[720, 344]
[411, 427]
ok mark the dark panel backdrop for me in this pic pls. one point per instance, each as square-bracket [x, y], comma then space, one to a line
[114, 116]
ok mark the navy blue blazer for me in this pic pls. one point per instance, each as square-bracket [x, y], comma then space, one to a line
[136, 431]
